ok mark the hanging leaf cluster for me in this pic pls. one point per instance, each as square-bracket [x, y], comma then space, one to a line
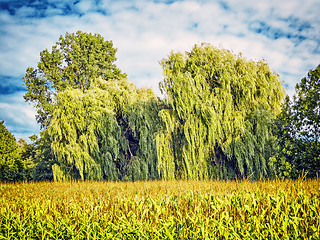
[218, 115]
[105, 132]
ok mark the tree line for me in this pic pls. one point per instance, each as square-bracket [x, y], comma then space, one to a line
[221, 116]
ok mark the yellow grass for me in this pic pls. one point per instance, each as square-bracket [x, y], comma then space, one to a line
[279, 209]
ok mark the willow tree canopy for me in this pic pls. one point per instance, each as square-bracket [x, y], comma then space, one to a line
[219, 115]
[106, 132]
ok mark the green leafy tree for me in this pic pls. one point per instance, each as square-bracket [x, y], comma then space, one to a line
[106, 132]
[28, 162]
[44, 157]
[37, 158]
[74, 62]
[11, 166]
[219, 115]
[298, 130]
[281, 162]
[307, 107]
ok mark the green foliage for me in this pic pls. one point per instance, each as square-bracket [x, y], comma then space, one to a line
[215, 121]
[23, 161]
[307, 107]
[298, 128]
[74, 61]
[11, 166]
[105, 132]
[97, 125]
[219, 114]
[27, 161]
[39, 154]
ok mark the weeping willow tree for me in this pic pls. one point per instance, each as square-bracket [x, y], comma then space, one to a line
[219, 115]
[105, 132]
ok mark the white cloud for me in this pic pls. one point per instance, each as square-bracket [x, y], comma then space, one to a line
[25, 11]
[18, 116]
[84, 6]
[51, 11]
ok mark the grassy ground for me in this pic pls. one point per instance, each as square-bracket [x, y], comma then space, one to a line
[280, 209]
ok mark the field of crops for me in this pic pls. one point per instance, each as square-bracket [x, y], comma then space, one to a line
[280, 209]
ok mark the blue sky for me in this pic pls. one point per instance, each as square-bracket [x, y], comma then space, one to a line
[285, 33]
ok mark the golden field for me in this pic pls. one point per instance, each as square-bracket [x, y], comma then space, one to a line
[275, 209]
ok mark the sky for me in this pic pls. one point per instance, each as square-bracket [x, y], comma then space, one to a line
[286, 34]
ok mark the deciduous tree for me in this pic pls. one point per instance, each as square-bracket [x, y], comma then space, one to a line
[74, 62]
[11, 167]
[106, 132]
[298, 130]
[219, 114]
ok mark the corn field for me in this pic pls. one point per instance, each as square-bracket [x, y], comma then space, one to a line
[277, 209]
